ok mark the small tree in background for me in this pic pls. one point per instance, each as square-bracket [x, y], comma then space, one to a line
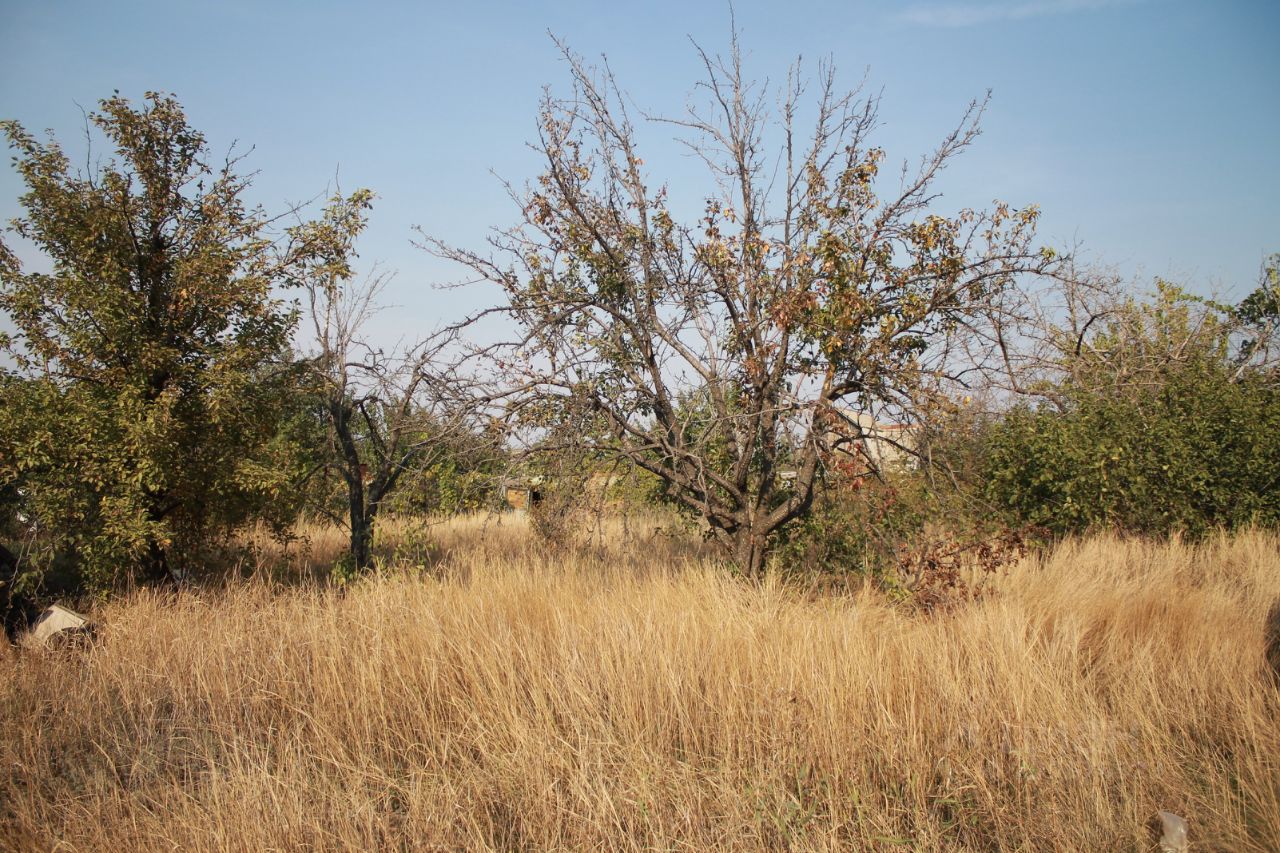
[809, 292]
[150, 365]
[389, 412]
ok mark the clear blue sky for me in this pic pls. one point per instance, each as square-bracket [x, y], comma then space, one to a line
[1147, 129]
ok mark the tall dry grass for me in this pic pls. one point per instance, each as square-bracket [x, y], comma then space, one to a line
[519, 698]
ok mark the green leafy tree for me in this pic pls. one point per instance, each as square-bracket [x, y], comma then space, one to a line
[1166, 417]
[150, 364]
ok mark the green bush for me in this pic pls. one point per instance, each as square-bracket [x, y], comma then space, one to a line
[862, 525]
[1158, 428]
[1196, 453]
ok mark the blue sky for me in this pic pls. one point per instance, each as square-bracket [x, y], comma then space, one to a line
[1146, 129]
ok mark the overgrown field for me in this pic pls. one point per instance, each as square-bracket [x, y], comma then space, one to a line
[633, 696]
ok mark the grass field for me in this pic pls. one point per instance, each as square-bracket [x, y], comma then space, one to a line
[632, 695]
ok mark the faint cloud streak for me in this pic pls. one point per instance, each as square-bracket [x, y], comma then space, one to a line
[972, 14]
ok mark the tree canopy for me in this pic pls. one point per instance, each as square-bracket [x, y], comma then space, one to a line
[150, 364]
[810, 294]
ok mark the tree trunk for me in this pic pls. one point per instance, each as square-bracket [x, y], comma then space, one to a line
[361, 537]
[8, 565]
[16, 612]
[750, 552]
[155, 565]
[362, 545]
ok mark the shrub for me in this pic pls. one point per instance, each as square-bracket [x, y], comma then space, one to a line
[859, 525]
[1162, 430]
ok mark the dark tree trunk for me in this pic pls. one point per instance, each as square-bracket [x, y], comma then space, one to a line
[361, 537]
[155, 565]
[361, 505]
[155, 562]
[750, 550]
[15, 611]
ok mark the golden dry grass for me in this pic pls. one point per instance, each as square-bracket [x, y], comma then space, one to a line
[638, 698]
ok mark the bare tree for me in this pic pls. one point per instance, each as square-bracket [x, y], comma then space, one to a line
[1258, 321]
[388, 410]
[730, 354]
[1090, 330]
